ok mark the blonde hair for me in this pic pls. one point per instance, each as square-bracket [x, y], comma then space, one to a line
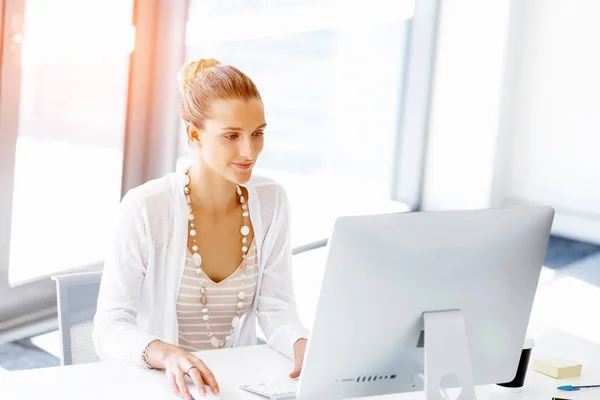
[206, 80]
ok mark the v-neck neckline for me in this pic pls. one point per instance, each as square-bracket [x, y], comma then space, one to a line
[245, 260]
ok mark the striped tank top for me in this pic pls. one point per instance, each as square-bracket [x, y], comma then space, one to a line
[222, 302]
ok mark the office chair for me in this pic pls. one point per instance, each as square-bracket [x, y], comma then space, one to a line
[77, 296]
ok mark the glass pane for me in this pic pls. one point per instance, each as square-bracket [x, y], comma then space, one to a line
[330, 74]
[74, 79]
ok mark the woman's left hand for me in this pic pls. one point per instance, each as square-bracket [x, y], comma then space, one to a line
[299, 349]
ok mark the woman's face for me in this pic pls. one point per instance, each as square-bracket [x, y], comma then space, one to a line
[232, 138]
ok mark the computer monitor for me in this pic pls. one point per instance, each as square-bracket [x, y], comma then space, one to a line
[409, 300]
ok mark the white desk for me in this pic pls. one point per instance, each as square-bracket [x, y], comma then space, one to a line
[232, 367]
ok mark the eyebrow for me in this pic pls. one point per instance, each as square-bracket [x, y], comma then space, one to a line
[232, 128]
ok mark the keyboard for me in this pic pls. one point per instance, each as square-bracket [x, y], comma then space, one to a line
[274, 390]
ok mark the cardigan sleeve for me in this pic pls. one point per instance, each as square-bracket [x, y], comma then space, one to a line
[276, 308]
[116, 333]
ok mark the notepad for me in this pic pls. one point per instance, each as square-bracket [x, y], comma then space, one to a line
[558, 367]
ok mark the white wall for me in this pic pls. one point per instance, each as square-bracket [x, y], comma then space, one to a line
[555, 150]
[516, 110]
[466, 101]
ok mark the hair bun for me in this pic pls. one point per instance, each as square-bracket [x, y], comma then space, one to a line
[188, 71]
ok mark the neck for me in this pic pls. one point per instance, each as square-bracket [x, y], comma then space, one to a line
[210, 192]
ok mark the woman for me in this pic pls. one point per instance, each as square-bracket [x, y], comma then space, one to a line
[201, 254]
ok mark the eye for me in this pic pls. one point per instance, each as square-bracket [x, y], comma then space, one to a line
[231, 137]
[259, 133]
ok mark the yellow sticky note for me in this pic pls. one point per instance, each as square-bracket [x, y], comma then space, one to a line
[557, 367]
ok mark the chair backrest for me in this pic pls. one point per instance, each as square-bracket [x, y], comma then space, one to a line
[77, 296]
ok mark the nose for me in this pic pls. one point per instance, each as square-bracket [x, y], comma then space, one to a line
[247, 149]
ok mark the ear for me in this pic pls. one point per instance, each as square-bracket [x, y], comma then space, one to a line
[193, 134]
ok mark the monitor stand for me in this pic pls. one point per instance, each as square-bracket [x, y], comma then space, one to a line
[446, 355]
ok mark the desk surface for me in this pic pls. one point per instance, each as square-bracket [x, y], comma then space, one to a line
[232, 367]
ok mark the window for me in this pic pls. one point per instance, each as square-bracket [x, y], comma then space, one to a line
[69, 152]
[331, 77]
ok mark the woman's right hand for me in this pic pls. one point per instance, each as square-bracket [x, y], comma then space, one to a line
[176, 362]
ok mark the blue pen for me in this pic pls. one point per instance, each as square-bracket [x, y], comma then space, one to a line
[569, 388]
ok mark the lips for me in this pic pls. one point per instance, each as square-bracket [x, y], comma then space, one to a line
[242, 165]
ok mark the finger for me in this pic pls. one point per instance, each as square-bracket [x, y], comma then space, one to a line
[172, 383]
[207, 375]
[297, 367]
[183, 389]
[197, 378]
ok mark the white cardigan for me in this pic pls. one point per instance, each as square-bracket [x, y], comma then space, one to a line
[143, 269]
